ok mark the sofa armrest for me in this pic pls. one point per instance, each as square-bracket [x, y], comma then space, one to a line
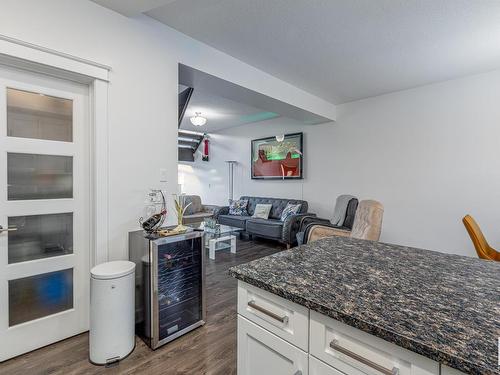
[223, 210]
[315, 232]
[308, 220]
[291, 226]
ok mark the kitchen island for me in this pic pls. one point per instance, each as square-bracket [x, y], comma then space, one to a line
[368, 307]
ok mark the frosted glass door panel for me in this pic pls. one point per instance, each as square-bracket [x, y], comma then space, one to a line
[38, 116]
[32, 176]
[40, 295]
[40, 236]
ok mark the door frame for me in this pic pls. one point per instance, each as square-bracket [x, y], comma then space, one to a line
[35, 58]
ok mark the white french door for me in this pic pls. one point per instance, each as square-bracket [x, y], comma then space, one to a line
[44, 211]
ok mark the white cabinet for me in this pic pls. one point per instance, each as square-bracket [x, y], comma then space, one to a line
[316, 367]
[260, 352]
[277, 336]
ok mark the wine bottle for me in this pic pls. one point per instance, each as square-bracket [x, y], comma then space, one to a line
[150, 223]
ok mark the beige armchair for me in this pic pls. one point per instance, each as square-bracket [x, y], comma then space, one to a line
[367, 224]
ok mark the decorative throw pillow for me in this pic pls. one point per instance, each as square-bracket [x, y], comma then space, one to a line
[290, 209]
[262, 211]
[238, 207]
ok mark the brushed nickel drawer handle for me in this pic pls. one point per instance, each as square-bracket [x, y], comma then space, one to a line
[335, 346]
[282, 319]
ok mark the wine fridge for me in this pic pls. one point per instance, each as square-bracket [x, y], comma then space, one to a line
[170, 285]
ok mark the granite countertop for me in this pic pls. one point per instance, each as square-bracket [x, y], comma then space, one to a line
[442, 306]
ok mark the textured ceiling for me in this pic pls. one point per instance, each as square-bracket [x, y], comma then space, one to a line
[343, 50]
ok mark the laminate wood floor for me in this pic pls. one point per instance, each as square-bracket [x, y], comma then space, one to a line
[210, 349]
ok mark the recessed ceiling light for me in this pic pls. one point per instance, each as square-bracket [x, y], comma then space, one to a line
[198, 120]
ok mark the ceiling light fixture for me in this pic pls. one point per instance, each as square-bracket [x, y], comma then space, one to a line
[280, 138]
[198, 120]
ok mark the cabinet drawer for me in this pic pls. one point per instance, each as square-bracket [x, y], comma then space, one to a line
[285, 319]
[355, 352]
[317, 367]
[260, 352]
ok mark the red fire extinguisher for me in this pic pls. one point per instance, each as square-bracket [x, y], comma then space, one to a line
[205, 149]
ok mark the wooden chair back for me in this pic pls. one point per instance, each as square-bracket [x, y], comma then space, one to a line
[483, 249]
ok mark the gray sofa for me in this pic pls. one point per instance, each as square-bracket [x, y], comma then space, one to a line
[271, 228]
[197, 212]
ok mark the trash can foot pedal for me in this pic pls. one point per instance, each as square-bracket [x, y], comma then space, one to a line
[112, 362]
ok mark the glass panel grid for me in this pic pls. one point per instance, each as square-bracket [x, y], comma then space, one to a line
[34, 176]
[40, 236]
[41, 295]
[39, 116]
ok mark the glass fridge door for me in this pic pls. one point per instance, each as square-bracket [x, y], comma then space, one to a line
[180, 287]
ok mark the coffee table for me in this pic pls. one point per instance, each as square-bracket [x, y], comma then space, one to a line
[223, 239]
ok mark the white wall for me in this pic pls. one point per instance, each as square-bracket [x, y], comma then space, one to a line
[430, 155]
[144, 57]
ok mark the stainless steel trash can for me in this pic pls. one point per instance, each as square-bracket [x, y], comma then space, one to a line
[112, 319]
